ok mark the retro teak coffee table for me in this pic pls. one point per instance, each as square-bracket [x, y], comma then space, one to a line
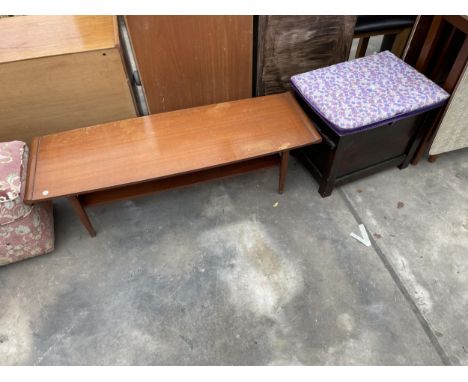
[138, 156]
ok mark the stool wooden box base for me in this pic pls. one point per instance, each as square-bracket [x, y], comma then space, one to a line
[342, 158]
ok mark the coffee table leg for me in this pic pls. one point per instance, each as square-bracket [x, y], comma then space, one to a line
[283, 170]
[79, 209]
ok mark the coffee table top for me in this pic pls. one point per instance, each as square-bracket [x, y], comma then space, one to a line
[162, 145]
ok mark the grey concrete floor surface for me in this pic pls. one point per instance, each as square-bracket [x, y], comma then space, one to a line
[214, 274]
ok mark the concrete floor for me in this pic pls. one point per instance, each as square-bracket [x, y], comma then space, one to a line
[216, 274]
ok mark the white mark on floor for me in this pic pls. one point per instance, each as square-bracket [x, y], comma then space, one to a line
[346, 322]
[260, 278]
[357, 350]
[363, 238]
[16, 334]
[60, 337]
[421, 295]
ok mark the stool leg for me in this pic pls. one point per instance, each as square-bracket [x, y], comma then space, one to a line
[78, 207]
[328, 179]
[326, 188]
[425, 135]
[432, 158]
[283, 170]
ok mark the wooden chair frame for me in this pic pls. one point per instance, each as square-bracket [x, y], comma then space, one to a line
[425, 57]
[398, 46]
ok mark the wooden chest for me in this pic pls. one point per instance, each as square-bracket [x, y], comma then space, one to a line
[60, 73]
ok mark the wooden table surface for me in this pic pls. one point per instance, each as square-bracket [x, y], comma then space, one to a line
[162, 145]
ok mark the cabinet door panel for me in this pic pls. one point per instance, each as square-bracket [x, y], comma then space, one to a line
[289, 45]
[187, 61]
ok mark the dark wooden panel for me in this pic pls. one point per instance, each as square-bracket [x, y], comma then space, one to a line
[366, 148]
[422, 27]
[288, 45]
[377, 145]
[187, 61]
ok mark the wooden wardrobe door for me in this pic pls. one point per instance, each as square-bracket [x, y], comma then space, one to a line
[289, 45]
[187, 61]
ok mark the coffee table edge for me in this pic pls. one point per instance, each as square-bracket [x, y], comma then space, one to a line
[31, 171]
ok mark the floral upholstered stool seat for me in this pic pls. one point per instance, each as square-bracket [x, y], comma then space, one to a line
[371, 114]
[25, 231]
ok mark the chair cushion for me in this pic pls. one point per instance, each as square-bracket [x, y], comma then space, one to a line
[13, 155]
[367, 92]
[28, 236]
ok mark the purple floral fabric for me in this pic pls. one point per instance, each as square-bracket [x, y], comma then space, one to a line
[25, 231]
[362, 92]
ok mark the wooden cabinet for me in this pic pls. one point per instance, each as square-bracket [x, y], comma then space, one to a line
[59, 73]
[187, 61]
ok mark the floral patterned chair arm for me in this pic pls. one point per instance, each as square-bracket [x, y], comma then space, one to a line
[25, 231]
